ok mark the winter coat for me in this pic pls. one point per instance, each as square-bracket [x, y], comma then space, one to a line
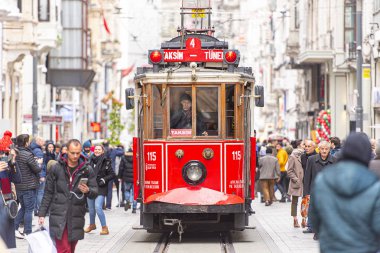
[314, 165]
[66, 201]
[38, 153]
[29, 170]
[304, 158]
[36, 149]
[374, 166]
[345, 209]
[282, 157]
[103, 170]
[126, 169]
[269, 167]
[49, 156]
[295, 174]
[113, 153]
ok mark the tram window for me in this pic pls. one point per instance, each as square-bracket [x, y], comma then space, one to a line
[230, 111]
[207, 111]
[180, 112]
[157, 112]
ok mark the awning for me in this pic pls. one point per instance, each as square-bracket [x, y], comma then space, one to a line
[74, 78]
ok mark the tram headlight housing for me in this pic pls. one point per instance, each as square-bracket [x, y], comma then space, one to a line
[194, 172]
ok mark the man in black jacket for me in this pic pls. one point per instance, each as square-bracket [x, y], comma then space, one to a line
[309, 151]
[126, 175]
[27, 189]
[316, 164]
[68, 184]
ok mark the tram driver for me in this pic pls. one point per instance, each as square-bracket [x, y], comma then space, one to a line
[182, 119]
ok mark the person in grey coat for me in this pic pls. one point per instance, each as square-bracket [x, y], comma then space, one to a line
[269, 171]
[345, 207]
[295, 174]
[374, 165]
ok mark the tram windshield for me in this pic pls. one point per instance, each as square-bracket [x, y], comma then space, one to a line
[182, 116]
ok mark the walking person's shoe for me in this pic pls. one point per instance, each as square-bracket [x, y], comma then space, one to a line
[90, 228]
[307, 231]
[303, 223]
[104, 231]
[19, 235]
[283, 199]
[315, 237]
[134, 210]
[295, 223]
[267, 203]
[127, 206]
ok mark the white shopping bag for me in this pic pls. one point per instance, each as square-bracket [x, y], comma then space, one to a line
[40, 242]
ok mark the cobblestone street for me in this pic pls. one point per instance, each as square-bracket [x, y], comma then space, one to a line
[274, 233]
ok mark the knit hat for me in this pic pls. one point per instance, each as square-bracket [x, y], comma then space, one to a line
[6, 141]
[87, 144]
[357, 148]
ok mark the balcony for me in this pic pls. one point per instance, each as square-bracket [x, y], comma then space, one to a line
[351, 52]
[292, 44]
[318, 50]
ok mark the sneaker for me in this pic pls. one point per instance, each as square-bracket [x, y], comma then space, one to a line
[134, 210]
[307, 231]
[315, 237]
[19, 235]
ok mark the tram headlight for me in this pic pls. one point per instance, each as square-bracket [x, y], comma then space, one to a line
[194, 172]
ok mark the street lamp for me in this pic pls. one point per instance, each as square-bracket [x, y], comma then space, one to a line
[359, 62]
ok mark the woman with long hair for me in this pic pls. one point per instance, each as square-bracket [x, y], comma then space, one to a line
[104, 173]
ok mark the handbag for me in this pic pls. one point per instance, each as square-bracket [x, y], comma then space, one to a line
[40, 242]
[11, 206]
[305, 206]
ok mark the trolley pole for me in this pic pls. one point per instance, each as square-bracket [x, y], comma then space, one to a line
[359, 62]
[35, 98]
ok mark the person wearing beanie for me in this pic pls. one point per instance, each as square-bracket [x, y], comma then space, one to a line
[87, 149]
[345, 207]
[374, 165]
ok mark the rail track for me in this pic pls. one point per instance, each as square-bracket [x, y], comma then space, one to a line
[168, 239]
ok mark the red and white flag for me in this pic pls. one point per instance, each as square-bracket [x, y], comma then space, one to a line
[127, 71]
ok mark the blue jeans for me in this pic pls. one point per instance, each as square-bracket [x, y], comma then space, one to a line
[96, 205]
[109, 194]
[27, 201]
[128, 193]
[40, 194]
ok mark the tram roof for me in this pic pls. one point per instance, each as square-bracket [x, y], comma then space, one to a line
[184, 74]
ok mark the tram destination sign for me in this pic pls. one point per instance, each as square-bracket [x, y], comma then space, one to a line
[193, 53]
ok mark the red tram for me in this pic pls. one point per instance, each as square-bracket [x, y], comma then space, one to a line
[195, 150]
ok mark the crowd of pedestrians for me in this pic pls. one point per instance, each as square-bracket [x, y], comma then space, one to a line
[61, 181]
[339, 186]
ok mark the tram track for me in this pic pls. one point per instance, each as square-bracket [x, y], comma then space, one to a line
[168, 239]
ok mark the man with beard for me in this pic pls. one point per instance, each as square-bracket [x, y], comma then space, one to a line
[69, 183]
